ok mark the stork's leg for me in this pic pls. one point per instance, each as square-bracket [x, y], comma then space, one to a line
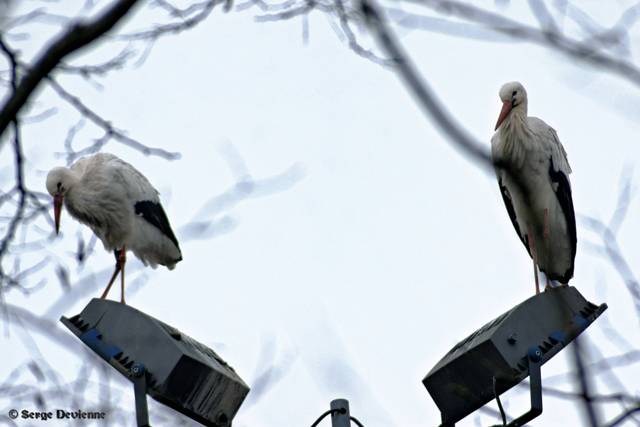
[113, 276]
[123, 260]
[535, 276]
[532, 247]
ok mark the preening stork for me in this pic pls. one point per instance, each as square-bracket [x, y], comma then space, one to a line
[535, 187]
[121, 207]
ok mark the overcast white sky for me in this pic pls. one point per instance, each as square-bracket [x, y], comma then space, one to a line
[385, 246]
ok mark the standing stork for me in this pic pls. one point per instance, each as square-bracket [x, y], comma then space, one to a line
[121, 207]
[533, 175]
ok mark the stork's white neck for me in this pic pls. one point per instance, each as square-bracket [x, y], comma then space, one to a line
[514, 135]
[515, 126]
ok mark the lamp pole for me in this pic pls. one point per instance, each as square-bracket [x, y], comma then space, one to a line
[340, 417]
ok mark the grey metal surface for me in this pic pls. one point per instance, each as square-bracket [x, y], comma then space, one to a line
[180, 372]
[462, 381]
[340, 418]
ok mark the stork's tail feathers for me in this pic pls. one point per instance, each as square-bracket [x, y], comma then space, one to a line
[172, 264]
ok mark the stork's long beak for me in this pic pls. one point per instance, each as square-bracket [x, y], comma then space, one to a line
[57, 208]
[506, 107]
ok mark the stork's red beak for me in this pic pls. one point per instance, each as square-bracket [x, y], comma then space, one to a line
[57, 208]
[506, 107]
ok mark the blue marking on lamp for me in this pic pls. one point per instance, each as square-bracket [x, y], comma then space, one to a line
[93, 338]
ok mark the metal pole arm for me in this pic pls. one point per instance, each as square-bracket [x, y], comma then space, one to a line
[535, 383]
[139, 378]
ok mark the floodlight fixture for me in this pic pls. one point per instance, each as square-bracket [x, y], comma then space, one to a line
[506, 350]
[161, 361]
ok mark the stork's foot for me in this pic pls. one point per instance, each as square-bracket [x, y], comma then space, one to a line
[548, 285]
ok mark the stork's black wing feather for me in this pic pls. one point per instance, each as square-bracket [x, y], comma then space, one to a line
[506, 197]
[563, 193]
[153, 213]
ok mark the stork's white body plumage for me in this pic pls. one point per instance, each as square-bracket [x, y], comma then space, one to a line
[120, 205]
[535, 185]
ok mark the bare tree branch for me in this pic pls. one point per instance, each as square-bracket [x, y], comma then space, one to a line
[583, 51]
[86, 71]
[584, 383]
[73, 38]
[109, 129]
[608, 235]
[420, 89]
[197, 12]
[623, 417]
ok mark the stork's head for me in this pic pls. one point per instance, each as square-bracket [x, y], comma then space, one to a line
[59, 181]
[514, 99]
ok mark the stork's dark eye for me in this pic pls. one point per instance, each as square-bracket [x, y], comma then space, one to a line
[514, 93]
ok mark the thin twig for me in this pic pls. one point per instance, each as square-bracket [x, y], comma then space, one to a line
[420, 89]
[109, 129]
[75, 37]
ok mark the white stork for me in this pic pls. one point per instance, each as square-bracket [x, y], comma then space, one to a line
[121, 207]
[535, 187]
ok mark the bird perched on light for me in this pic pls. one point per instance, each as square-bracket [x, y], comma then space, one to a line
[533, 175]
[121, 207]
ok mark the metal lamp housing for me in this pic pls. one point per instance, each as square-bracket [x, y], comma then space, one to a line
[179, 371]
[463, 380]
